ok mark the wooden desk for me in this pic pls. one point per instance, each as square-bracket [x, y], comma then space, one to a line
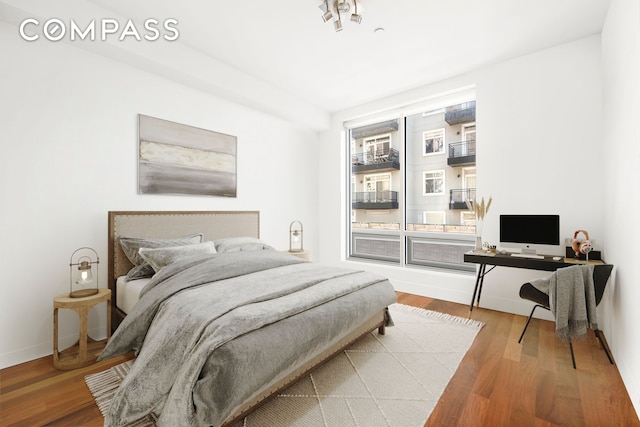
[484, 258]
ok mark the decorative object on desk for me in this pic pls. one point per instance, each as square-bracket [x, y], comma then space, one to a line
[582, 246]
[83, 261]
[489, 248]
[295, 237]
[571, 255]
[480, 210]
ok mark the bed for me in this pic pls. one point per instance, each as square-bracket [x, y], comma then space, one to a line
[218, 331]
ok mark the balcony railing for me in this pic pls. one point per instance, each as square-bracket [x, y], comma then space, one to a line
[462, 153]
[381, 160]
[458, 197]
[375, 200]
[461, 113]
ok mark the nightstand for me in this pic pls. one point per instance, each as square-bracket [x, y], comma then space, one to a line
[305, 255]
[86, 350]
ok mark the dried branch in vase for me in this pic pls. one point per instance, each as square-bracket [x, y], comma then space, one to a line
[480, 209]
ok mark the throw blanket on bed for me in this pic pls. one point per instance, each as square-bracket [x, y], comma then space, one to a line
[571, 299]
[214, 299]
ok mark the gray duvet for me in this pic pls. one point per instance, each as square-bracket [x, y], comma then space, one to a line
[211, 332]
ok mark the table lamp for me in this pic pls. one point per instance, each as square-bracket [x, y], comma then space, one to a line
[84, 275]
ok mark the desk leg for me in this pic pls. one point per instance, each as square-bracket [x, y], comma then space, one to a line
[478, 287]
[484, 272]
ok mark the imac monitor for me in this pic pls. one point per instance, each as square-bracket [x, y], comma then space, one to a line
[530, 232]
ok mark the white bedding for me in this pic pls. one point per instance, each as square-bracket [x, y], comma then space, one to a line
[128, 292]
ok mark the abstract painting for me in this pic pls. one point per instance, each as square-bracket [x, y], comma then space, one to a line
[181, 159]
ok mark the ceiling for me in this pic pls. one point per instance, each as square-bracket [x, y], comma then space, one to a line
[281, 50]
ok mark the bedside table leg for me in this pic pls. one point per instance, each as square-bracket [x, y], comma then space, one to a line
[55, 336]
[84, 333]
[108, 319]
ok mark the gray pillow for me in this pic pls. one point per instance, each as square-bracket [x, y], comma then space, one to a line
[131, 246]
[161, 257]
[237, 244]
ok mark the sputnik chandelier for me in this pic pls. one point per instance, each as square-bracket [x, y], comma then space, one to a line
[337, 10]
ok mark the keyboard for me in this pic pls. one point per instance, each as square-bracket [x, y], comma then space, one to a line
[533, 256]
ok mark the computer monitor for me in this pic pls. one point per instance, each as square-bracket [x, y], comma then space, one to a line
[530, 233]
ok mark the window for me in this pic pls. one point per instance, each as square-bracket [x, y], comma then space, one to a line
[410, 178]
[354, 216]
[434, 217]
[469, 132]
[377, 148]
[433, 142]
[377, 183]
[468, 217]
[433, 183]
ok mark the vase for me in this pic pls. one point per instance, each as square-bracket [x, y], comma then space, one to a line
[478, 242]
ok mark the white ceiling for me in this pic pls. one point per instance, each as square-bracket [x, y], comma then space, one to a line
[281, 50]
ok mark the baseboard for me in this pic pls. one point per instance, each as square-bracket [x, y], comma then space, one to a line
[28, 354]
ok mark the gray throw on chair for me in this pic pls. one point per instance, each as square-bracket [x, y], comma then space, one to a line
[571, 299]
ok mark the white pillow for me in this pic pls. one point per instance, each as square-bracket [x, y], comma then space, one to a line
[161, 257]
[131, 248]
[238, 244]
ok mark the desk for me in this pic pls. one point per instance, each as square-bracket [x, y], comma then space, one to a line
[484, 258]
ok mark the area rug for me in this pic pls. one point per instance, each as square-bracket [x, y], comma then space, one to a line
[392, 380]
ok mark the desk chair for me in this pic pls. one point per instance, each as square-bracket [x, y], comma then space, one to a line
[601, 273]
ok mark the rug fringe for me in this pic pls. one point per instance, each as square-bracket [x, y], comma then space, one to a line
[437, 315]
[103, 386]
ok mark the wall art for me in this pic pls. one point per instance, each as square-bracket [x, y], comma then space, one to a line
[179, 159]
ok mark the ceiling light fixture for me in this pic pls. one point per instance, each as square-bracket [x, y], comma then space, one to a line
[354, 16]
[337, 9]
[327, 13]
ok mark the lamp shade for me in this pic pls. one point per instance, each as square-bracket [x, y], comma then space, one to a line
[84, 277]
[327, 15]
[84, 259]
[295, 237]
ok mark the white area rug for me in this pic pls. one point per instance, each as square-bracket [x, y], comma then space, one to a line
[392, 380]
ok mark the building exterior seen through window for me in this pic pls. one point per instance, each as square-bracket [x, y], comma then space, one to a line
[411, 179]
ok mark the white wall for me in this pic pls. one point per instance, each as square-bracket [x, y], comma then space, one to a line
[540, 137]
[539, 124]
[551, 139]
[621, 59]
[69, 155]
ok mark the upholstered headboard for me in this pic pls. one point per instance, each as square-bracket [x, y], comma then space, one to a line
[170, 224]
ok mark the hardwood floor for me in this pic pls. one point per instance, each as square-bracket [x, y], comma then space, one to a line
[499, 382]
[503, 383]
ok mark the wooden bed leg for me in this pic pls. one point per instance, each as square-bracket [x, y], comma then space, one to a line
[381, 329]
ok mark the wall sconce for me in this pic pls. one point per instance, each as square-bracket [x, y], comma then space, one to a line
[84, 274]
[295, 237]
